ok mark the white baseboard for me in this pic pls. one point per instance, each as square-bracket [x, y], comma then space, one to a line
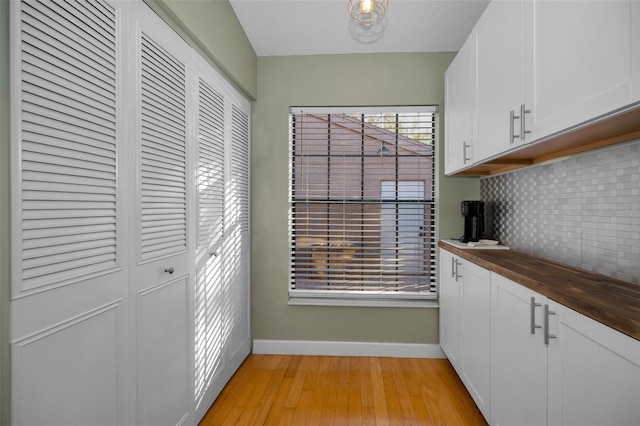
[303, 347]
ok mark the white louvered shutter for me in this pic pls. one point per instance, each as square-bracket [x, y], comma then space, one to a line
[210, 165]
[240, 168]
[163, 191]
[68, 149]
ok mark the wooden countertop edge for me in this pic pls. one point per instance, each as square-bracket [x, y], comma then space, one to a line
[614, 303]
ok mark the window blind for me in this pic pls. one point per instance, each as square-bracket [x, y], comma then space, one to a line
[362, 209]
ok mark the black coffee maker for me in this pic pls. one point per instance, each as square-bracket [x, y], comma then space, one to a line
[473, 212]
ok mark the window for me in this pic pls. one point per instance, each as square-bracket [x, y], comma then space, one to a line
[362, 211]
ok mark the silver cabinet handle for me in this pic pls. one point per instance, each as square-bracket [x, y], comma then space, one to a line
[453, 267]
[523, 130]
[512, 118]
[547, 336]
[169, 270]
[457, 274]
[465, 146]
[533, 315]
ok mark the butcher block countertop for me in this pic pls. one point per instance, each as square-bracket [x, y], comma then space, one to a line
[612, 302]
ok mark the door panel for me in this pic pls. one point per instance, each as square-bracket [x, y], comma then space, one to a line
[71, 372]
[162, 152]
[475, 334]
[518, 358]
[500, 74]
[210, 333]
[163, 357]
[162, 278]
[594, 373]
[580, 86]
[69, 257]
[449, 299]
[236, 249]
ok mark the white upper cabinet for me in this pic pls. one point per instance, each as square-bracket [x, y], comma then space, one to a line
[460, 104]
[465, 324]
[579, 61]
[541, 67]
[500, 66]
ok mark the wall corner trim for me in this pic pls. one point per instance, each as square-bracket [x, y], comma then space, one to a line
[329, 348]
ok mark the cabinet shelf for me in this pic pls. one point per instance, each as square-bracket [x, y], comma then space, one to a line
[617, 127]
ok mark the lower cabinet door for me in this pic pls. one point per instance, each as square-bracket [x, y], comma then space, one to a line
[518, 357]
[475, 335]
[594, 373]
[449, 295]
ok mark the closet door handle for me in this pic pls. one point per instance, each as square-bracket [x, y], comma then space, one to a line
[547, 336]
[169, 270]
[523, 130]
[533, 315]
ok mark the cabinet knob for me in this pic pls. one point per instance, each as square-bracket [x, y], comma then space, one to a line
[213, 254]
[169, 270]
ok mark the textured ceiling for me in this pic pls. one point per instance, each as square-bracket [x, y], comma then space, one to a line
[311, 27]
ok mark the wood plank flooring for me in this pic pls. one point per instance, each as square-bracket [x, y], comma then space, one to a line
[314, 390]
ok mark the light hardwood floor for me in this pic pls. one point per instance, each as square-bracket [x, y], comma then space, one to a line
[313, 390]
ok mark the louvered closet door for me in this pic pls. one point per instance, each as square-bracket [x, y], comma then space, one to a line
[163, 272]
[210, 304]
[68, 286]
[237, 260]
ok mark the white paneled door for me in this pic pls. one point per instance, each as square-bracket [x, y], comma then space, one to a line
[161, 280]
[130, 218]
[69, 253]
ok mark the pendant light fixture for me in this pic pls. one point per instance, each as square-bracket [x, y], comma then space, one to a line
[367, 12]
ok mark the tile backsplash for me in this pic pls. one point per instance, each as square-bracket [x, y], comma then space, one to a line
[583, 211]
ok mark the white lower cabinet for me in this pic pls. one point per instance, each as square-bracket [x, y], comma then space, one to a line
[594, 373]
[527, 360]
[449, 297]
[475, 335]
[465, 324]
[518, 356]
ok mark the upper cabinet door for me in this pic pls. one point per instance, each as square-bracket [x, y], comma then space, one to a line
[460, 105]
[580, 60]
[500, 65]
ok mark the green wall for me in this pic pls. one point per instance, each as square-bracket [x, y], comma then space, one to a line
[334, 80]
[4, 213]
[212, 28]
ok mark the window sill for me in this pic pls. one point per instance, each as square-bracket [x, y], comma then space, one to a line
[388, 303]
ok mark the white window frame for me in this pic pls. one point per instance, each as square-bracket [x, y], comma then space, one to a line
[363, 297]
